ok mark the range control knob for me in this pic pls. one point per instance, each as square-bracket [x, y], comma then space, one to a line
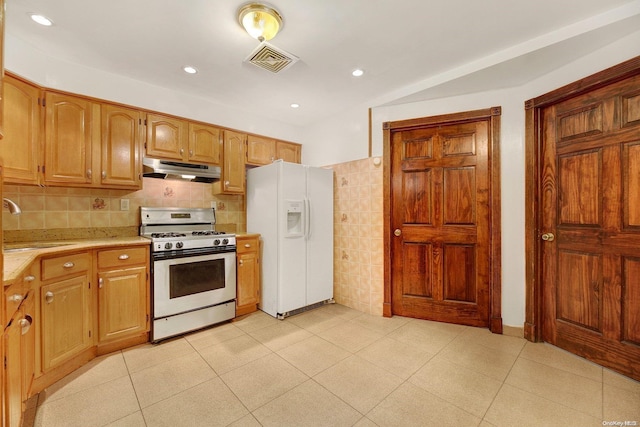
[216, 242]
[168, 245]
[179, 245]
[225, 241]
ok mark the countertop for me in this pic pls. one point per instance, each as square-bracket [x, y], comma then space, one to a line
[15, 263]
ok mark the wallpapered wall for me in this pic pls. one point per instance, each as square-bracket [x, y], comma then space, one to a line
[67, 208]
[358, 232]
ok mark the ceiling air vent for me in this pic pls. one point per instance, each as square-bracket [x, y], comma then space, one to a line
[271, 58]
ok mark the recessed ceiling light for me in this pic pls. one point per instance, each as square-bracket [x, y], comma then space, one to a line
[189, 69]
[294, 105]
[357, 72]
[41, 19]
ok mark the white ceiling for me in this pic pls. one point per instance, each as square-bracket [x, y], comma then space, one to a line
[411, 50]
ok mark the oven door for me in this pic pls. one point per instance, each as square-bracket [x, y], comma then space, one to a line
[186, 283]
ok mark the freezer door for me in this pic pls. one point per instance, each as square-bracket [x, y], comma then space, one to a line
[320, 235]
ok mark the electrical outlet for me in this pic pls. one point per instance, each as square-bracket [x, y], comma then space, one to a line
[124, 204]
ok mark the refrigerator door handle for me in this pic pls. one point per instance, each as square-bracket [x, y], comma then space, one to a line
[307, 219]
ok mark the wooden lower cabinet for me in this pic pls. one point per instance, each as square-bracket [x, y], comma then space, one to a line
[122, 293]
[248, 271]
[13, 372]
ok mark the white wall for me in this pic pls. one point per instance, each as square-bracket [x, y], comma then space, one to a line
[342, 139]
[29, 62]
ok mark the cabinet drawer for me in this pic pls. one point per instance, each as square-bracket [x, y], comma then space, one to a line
[122, 257]
[65, 265]
[247, 245]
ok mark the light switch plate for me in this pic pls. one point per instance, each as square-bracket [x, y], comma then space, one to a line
[124, 204]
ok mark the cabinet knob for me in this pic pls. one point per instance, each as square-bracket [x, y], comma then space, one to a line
[104, 174]
[89, 173]
[48, 297]
[241, 262]
[123, 257]
[190, 153]
[247, 245]
[226, 183]
[68, 264]
[25, 324]
[15, 298]
[29, 278]
[100, 282]
[182, 151]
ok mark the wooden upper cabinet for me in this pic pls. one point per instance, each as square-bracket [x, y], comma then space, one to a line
[166, 137]
[21, 146]
[121, 160]
[260, 150]
[288, 151]
[205, 144]
[68, 141]
[233, 174]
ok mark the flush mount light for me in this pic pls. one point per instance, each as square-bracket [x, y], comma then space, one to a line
[294, 105]
[41, 19]
[189, 69]
[260, 21]
[357, 72]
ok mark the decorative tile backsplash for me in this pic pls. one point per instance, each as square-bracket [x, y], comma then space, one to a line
[358, 227]
[72, 208]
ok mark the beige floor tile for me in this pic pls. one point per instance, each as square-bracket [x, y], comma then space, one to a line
[309, 405]
[515, 407]
[621, 404]
[486, 424]
[214, 335]
[462, 387]
[233, 353]
[555, 357]
[313, 355]
[359, 383]
[574, 391]
[95, 406]
[315, 321]
[172, 377]
[485, 337]
[379, 324]
[246, 421]
[427, 336]
[396, 357]
[254, 321]
[262, 380]
[492, 363]
[365, 422]
[346, 313]
[410, 405]
[134, 420]
[350, 336]
[99, 371]
[146, 355]
[207, 404]
[280, 335]
[618, 380]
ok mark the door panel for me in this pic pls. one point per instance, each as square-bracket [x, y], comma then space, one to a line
[591, 204]
[440, 211]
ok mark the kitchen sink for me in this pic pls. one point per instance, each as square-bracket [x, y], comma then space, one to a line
[33, 247]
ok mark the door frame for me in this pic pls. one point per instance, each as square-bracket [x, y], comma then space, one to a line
[534, 189]
[492, 115]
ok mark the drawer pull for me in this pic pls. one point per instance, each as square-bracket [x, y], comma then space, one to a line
[123, 257]
[29, 278]
[247, 245]
[15, 298]
[48, 297]
[68, 265]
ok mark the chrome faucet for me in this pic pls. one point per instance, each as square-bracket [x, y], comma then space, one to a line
[12, 206]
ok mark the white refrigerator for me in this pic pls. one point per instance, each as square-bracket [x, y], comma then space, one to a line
[291, 206]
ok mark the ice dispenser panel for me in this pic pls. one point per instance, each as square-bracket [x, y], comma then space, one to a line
[295, 209]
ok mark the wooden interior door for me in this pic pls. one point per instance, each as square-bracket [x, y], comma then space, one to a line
[590, 225]
[440, 223]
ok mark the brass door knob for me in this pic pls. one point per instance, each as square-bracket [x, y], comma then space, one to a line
[548, 237]
[397, 232]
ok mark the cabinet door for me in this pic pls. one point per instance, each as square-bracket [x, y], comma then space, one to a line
[66, 320]
[28, 344]
[13, 370]
[289, 152]
[121, 136]
[233, 173]
[166, 137]
[122, 303]
[67, 139]
[20, 147]
[248, 275]
[205, 144]
[260, 150]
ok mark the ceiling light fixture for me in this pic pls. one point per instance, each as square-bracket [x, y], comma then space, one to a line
[357, 72]
[294, 105]
[260, 21]
[41, 19]
[189, 69]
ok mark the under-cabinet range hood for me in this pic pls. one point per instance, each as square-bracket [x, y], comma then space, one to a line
[167, 169]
